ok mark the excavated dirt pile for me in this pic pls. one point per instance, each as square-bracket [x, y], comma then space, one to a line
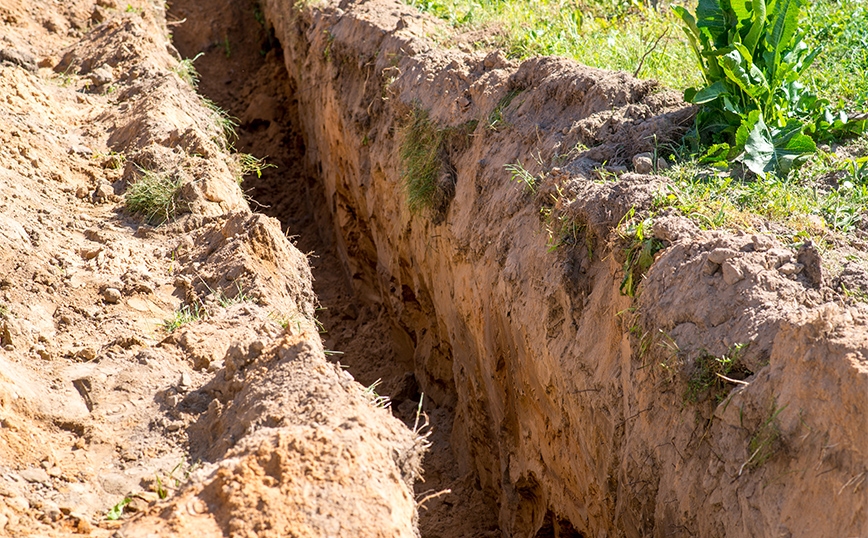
[175, 371]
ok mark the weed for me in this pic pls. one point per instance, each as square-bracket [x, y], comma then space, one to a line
[187, 71]
[117, 511]
[371, 394]
[248, 164]
[711, 375]
[240, 297]
[521, 175]
[327, 52]
[182, 316]
[421, 160]
[640, 252]
[224, 121]
[752, 103]
[765, 440]
[155, 195]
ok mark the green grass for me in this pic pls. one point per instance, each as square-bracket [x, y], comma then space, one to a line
[712, 375]
[187, 71]
[420, 152]
[182, 316]
[248, 164]
[617, 35]
[801, 202]
[156, 196]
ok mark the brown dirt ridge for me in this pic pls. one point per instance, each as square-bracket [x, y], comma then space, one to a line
[295, 352]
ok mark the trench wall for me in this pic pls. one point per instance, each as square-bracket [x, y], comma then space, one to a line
[571, 399]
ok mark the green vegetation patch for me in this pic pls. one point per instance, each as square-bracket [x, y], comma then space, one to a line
[156, 196]
[421, 150]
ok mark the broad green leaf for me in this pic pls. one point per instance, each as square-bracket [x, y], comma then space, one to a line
[709, 93]
[759, 150]
[739, 8]
[758, 25]
[740, 71]
[785, 22]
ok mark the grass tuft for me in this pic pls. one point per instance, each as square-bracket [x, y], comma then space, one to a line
[187, 71]
[156, 196]
[420, 153]
[182, 316]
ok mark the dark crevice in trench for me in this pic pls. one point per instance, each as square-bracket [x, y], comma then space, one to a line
[242, 72]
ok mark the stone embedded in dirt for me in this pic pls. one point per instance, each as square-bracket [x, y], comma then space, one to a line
[101, 76]
[791, 268]
[42, 351]
[732, 271]
[719, 255]
[185, 383]
[86, 354]
[81, 150]
[112, 295]
[35, 474]
[643, 163]
[20, 58]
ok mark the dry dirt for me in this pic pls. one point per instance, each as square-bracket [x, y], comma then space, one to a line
[553, 405]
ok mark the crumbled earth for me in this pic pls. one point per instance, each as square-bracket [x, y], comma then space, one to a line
[108, 403]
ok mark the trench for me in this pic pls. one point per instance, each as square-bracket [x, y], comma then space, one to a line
[242, 73]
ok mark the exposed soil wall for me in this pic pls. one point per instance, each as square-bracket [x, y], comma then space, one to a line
[573, 403]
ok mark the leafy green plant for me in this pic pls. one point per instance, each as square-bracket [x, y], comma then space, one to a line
[248, 164]
[521, 175]
[117, 511]
[155, 195]
[420, 154]
[640, 252]
[752, 55]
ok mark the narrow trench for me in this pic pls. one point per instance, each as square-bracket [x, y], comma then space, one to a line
[241, 71]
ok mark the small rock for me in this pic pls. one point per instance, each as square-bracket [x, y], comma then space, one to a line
[791, 268]
[104, 191]
[51, 511]
[112, 295]
[86, 354]
[35, 474]
[720, 255]
[762, 243]
[136, 504]
[54, 472]
[174, 426]
[662, 164]
[82, 525]
[18, 503]
[90, 253]
[81, 150]
[643, 163]
[19, 58]
[185, 383]
[732, 273]
[81, 192]
[43, 353]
